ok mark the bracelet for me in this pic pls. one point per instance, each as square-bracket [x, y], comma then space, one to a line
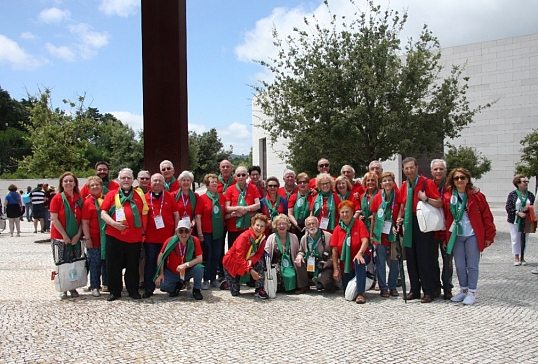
[188, 265]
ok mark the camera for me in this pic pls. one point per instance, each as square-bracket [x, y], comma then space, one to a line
[321, 261]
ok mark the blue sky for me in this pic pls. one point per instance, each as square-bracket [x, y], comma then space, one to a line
[93, 47]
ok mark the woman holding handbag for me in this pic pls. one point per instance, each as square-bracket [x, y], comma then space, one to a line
[14, 207]
[469, 230]
[282, 248]
[66, 229]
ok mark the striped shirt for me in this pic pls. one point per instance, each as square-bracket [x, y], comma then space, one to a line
[37, 197]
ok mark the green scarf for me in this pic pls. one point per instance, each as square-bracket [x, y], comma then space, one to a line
[167, 184]
[365, 207]
[102, 226]
[408, 216]
[280, 247]
[272, 210]
[346, 248]
[224, 184]
[312, 245]
[174, 241]
[242, 222]
[217, 221]
[192, 199]
[521, 222]
[384, 214]
[127, 198]
[105, 187]
[344, 197]
[457, 210]
[71, 225]
[318, 207]
[300, 209]
[288, 194]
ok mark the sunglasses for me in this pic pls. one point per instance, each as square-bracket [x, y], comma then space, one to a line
[143, 178]
[524, 181]
[272, 186]
[324, 165]
[459, 178]
[183, 231]
[241, 175]
[166, 169]
[302, 182]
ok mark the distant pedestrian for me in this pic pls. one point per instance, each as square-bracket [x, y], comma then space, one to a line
[27, 203]
[37, 196]
[13, 204]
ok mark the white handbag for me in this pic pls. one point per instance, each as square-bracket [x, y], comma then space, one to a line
[430, 218]
[71, 275]
[351, 291]
[270, 283]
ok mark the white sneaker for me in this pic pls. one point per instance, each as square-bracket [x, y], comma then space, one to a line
[469, 299]
[459, 297]
[517, 264]
[205, 285]
[523, 263]
[534, 271]
[95, 292]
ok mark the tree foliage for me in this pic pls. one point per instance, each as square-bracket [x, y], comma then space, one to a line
[529, 156]
[351, 92]
[205, 152]
[469, 158]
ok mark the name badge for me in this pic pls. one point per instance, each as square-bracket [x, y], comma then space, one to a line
[216, 209]
[159, 223]
[452, 226]
[120, 215]
[311, 264]
[324, 224]
[386, 227]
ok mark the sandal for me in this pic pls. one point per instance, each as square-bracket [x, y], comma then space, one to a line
[360, 299]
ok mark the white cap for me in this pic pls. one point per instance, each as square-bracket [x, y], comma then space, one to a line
[184, 223]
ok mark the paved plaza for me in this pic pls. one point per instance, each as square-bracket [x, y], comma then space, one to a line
[37, 327]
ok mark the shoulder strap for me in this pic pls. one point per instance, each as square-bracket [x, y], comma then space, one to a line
[424, 184]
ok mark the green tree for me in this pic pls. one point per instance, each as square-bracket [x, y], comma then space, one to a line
[210, 152]
[529, 157]
[469, 158]
[351, 92]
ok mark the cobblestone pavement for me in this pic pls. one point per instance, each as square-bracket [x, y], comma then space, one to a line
[37, 327]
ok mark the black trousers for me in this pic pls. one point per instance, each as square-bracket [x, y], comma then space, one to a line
[421, 261]
[448, 270]
[119, 255]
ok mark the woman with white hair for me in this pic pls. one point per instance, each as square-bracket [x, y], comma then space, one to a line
[187, 200]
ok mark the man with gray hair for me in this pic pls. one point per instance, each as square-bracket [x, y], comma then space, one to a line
[290, 187]
[171, 184]
[349, 172]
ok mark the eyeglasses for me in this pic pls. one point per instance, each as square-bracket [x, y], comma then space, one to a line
[102, 169]
[126, 177]
[325, 183]
[524, 181]
[302, 182]
[166, 169]
[272, 186]
[143, 178]
[324, 165]
[459, 178]
[241, 175]
[183, 231]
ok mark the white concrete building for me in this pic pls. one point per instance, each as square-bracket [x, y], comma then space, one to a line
[505, 70]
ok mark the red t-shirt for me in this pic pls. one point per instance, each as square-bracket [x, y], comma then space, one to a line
[172, 187]
[184, 205]
[57, 207]
[324, 213]
[89, 212]
[358, 231]
[232, 195]
[179, 255]
[283, 192]
[293, 200]
[164, 206]
[85, 190]
[395, 206]
[206, 211]
[431, 191]
[220, 185]
[134, 234]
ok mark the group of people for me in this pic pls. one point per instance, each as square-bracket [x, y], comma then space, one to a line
[318, 233]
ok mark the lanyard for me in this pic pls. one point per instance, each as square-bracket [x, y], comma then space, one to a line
[151, 203]
[182, 252]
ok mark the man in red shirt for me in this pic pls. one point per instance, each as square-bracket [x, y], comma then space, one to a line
[180, 260]
[419, 247]
[323, 167]
[163, 217]
[125, 212]
[102, 170]
[290, 187]
[225, 177]
[171, 184]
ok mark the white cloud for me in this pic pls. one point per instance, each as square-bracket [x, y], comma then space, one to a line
[235, 129]
[28, 35]
[133, 120]
[89, 41]
[18, 58]
[62, 52]
[198, 129]
[122, 8]
[53, 15]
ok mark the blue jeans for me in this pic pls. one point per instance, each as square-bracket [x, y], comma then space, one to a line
[152, 251]
[94, 256]
[211, 248]
[466, 259]
[359, 272]
[28, 207]
[382, 253]
[171, 278]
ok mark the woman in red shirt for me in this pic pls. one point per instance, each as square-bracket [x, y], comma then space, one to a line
[323, 206]
[66, 216]
[350, 248]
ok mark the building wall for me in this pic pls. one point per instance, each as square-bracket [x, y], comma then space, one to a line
[505, 71]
